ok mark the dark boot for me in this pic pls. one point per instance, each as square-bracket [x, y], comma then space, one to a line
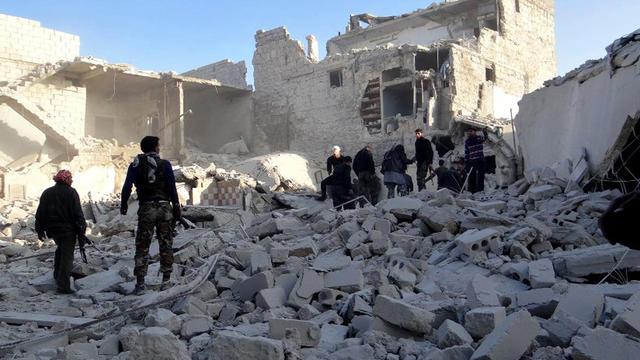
[139, 286]
[166, 281]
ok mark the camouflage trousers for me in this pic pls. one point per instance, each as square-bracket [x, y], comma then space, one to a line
[158, 216]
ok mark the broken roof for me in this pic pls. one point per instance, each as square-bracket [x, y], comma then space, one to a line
[88, 67]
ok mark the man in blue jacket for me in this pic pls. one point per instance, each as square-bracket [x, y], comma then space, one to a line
[159, 205]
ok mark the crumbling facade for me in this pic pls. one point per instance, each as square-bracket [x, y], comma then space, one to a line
[458, 60]
[51, 100]
[597, 140]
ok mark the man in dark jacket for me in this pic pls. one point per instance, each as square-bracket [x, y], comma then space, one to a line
[159, 205]
[341, 186]
[618, 222]
[60, 217]
[394, 168]
[424, 159]
[332, 161]
[365, 168]
[474, 159]
[440, 173]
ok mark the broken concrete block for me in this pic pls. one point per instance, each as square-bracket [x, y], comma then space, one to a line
[479, 322]
[541, 274]
[195, 325]
[232, 346]
[207, 291]
[604, 344]
[517, 250]
[441, 236]
[279, 254]
[461, 352]
[307, 312]
[450, 333]
[332, 335]
[473, 241]
[264, 229]
[382, 225]
[348, 280]
[481, 293]
[271, 298]
[310, 333]
[510, 339]
[247, 289]
[161, 317]
[583, 304]
[100, 281]
[260, 261]
[81, 351]
[543, 192]
[128, 336]
[109, 346]
[321, 226]
[380, 242]
[156, 343]
[189, 305]
[228, 314]
[309, 283]
[304, 247]
[403, 315]
[541, 247]
[439, 219]
[524, 235]
[577, 308]
[628, 322]
[362, 251]
[331, 261]
[539, 302]
[330, 297]
[593, 260]
[403, 272]
[356, 239]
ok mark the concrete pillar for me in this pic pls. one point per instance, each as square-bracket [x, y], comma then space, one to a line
[312, 48]
[172, 114]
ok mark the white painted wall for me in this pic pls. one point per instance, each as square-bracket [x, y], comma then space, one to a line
[558, 122]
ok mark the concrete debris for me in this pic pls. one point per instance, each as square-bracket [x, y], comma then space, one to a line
[267, 271]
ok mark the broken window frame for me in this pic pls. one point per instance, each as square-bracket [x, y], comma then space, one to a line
[335, 78]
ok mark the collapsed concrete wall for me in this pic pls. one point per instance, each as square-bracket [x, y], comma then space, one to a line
[225, 71]
[592, 110]
[219, 116]
[379, 93]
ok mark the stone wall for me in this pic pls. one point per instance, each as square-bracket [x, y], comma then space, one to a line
[590, 110]
[24, 44]
[225, 71]
[296, 108]
[24, 47]
[219, 117]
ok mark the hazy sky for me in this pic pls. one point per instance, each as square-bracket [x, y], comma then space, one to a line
[177, 35]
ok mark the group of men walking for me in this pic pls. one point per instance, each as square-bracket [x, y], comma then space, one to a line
[60, 217]
[467, 172]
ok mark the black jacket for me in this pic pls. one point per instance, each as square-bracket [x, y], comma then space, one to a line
[59, 212]
[332, 162]
[395, 160]
[424, 152]
[363, 162]
[342, 176]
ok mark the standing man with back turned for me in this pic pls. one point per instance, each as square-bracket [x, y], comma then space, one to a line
[60, 216]
[365, 168]
[474, 159]
[156, 188]
[424, 159]
[332, 161]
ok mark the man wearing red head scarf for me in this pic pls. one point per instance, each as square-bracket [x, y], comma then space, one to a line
[60, 217]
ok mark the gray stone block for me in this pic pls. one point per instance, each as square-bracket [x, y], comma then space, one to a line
[310, 333]
[403, 315]
[510, 339]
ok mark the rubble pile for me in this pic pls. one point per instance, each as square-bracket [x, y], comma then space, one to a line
[508, 274]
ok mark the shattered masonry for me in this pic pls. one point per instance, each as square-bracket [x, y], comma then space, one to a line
[520, 271]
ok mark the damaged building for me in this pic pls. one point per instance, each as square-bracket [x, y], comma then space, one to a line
[442, 68]
[52, 100]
